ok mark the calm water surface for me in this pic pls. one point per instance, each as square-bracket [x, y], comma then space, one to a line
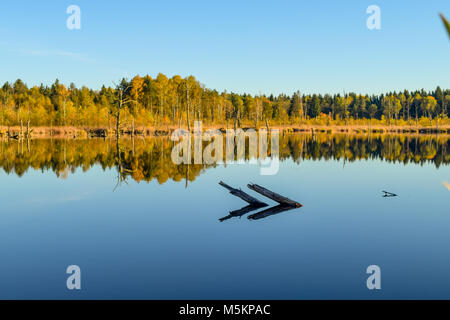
[151, 230]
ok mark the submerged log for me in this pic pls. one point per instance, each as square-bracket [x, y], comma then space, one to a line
[244, 196]
[274, 196]
[389, 194]
[271, 211]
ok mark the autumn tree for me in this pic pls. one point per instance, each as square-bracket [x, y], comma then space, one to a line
[314, 109]
[238, 106]
[372, 110]
[417, 102]
[429, 106]
[296, 105]
[121, 100]
[136, 90]
[62, 94]
[5, 96]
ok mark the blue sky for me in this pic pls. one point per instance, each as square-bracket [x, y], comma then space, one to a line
[241, 46]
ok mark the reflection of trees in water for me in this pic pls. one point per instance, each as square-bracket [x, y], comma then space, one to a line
[148, 159]
[392, 148]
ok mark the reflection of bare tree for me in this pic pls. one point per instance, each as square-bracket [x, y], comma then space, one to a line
[63, 174]
[121, 166]
[187, 176]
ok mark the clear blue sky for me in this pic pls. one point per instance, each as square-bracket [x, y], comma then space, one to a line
[241, 46]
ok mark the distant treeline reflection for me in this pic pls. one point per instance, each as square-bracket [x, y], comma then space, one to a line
[150, 158]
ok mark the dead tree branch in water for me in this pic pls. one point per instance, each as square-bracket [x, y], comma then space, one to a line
[285, 203]
[244, 196]
[274, 196]
[389, 194]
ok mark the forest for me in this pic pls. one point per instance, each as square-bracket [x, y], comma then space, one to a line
[147, 101]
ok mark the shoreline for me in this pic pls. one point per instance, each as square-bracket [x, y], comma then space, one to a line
[16, 132]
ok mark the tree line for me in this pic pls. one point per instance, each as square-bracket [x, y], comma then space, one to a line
[147, 101]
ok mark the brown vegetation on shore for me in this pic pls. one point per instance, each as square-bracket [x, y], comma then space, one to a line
[85, 132]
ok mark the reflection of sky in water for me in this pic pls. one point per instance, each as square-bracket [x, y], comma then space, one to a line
[146, 240]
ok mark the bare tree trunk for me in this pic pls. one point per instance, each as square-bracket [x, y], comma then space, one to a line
[64, 111]
[118, 118]
[3, 115]
[417, 117]
[407, 111]
[444, 108]
[187, 108]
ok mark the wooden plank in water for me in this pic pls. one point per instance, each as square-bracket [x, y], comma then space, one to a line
[274, 196]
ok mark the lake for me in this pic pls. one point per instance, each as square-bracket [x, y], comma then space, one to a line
[141, 227]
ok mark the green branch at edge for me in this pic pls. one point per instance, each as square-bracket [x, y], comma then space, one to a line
[446, 24]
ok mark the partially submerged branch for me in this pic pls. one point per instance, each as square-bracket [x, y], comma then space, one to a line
[244, 196]
[285, 203]
[274, 196]
[389, 194]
